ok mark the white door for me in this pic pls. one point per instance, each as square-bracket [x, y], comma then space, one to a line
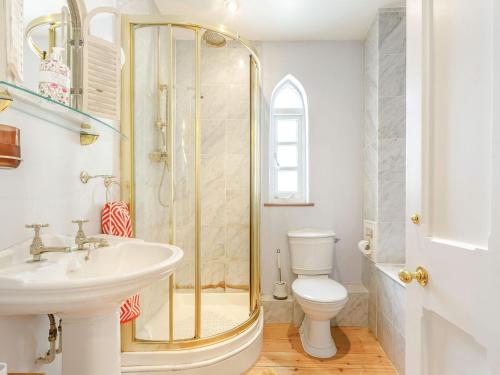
[453, 184]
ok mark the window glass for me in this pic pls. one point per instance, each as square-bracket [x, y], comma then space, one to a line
[288, 97]
[287, 181]
[287, 156]
[286, 130]
[288, 143]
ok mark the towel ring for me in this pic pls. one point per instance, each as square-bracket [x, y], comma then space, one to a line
[108, 183]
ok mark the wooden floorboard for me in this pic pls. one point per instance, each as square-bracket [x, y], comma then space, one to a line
[358, 353]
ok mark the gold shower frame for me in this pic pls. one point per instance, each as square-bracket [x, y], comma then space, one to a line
[129, 342]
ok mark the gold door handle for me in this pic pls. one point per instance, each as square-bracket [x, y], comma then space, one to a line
[421, 275]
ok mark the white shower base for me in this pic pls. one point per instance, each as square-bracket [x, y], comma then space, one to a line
[220, 312]
[232, 356]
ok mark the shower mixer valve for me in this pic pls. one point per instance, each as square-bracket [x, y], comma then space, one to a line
[159, 156]
[161, 125]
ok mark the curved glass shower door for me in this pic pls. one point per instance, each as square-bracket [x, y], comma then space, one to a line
[165, 166]
[193, 180]
[225, 183]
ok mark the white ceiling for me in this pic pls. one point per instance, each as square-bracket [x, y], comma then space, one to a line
[277, 20]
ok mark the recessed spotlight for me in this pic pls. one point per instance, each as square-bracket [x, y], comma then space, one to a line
[231, 5]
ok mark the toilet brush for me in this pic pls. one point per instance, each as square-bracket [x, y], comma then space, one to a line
[279, 291]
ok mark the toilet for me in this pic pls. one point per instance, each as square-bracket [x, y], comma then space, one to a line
[321, 298]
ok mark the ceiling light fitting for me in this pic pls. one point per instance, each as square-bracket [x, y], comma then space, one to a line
[231, 5]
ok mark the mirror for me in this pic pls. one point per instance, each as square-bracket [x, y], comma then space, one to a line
[50, 27]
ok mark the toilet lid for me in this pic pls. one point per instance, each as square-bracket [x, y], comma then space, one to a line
[319, 290]
[311, 233]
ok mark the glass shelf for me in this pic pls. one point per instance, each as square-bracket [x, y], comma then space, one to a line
[39, 106]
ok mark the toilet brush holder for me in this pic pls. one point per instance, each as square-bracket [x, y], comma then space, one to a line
[280, 292]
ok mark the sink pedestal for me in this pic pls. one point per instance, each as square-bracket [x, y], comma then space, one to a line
[91, 343]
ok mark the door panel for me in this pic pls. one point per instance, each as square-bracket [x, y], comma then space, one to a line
[453, 183]
[442, 341]
[460, 69]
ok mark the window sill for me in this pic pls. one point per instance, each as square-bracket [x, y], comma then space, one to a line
[288, 204]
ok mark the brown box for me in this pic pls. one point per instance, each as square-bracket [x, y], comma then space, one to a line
[10, 146]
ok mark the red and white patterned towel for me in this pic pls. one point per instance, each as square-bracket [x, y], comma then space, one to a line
[115, 220]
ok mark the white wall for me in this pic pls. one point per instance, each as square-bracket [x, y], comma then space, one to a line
[332, 75]
[46, 189]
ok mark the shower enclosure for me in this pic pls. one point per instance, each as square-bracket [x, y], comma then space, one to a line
[190, 170]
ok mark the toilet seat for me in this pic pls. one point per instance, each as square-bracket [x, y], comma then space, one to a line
[319, 290]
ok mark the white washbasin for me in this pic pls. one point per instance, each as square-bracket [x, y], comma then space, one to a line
[67, 283]
[86, 294]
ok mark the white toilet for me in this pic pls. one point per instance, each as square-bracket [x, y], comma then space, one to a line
[320, 297]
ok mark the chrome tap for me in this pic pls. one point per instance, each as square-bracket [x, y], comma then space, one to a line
[81, 239]
[37, 247]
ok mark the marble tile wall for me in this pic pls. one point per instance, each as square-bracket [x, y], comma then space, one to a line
[184, 157]
[225, 166]
[370, 146]
[386, 311]
[279, 311]
[225, 153]
[384, 176]
[151, 219]
[354, 314]
[384, 144]
[225, 163]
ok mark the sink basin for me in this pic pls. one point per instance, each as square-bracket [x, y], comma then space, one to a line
[67, 283]
[86, 294]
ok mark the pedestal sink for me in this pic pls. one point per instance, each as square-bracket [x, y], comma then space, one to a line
[86, 294]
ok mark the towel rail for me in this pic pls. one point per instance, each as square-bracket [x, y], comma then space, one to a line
[109, 181]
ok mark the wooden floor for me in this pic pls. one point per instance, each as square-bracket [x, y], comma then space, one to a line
[358, 353]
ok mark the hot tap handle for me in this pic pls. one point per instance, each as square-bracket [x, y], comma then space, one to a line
[36, 227]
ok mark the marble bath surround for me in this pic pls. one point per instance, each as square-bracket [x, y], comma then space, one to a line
[385, 136]
[384, 179]
[386, 309]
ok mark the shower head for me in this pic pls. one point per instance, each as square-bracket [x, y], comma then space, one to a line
[213, 39]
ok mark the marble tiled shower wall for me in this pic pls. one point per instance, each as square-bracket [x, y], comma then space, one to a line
[225, 170]
[152, 220]
[384, 145]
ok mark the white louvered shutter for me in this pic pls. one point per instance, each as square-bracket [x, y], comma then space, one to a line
[101, 69]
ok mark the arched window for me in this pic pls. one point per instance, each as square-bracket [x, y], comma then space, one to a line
[288, 143]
